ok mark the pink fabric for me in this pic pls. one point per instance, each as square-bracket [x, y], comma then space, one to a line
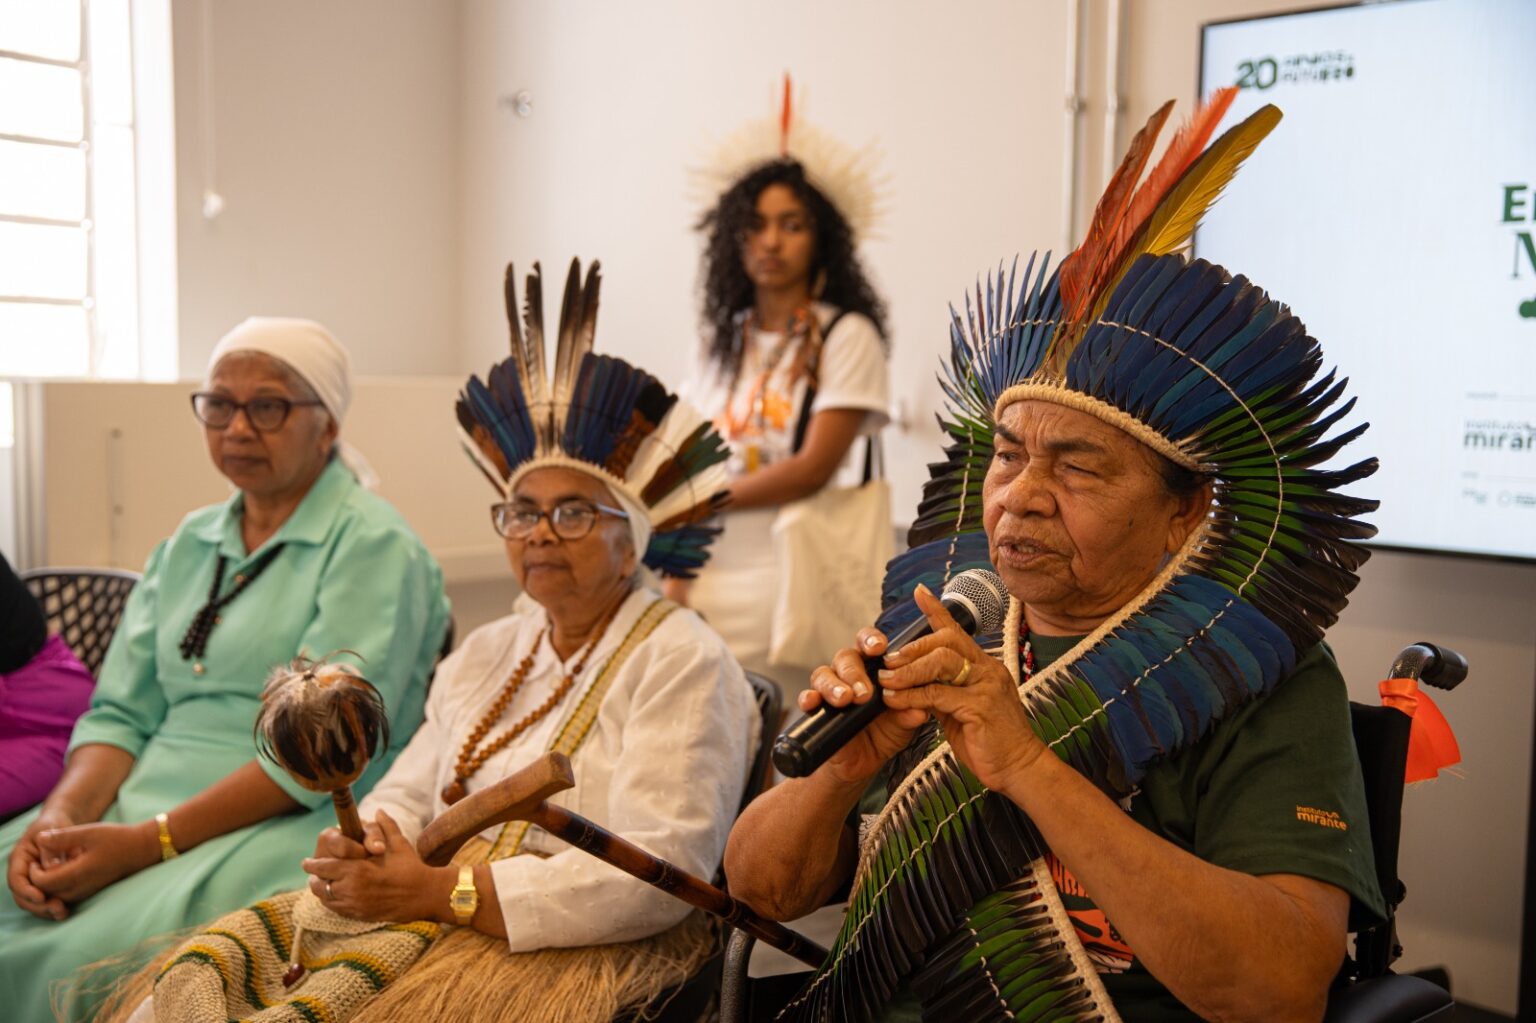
[39, 703]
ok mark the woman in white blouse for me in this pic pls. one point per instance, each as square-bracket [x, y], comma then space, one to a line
[795, 375]
[663, 764]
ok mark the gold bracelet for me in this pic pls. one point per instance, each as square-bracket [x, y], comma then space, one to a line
[167, 847]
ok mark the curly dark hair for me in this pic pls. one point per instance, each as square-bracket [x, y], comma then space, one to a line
[727, 288]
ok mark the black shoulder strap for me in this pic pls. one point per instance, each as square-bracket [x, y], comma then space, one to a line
[805, 417]
[810, 392]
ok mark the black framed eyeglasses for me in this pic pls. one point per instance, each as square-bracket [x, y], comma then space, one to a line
[570, 520]
[265, 414]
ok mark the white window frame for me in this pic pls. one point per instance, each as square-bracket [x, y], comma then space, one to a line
[144, 339]
[147, 346]
[87, 131]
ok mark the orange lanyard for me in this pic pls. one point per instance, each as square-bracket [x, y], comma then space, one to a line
[734, 426]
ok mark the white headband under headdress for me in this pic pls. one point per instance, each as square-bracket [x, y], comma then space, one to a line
[312, 352]
[846, 176]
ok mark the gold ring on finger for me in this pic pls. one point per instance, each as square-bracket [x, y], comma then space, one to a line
[327, 891]
[965, 673]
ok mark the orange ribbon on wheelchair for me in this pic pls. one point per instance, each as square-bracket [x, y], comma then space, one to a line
[1431, 745]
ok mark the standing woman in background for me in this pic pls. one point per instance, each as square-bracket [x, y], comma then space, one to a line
[795, 366]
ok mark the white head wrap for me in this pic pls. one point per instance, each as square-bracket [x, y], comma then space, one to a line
[314, 354]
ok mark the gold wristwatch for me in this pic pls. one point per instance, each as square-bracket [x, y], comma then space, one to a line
[465, 898]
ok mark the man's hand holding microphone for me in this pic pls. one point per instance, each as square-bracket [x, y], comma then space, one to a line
[846, 724]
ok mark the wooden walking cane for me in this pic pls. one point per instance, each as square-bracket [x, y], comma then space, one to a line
[322, 723]
[521, 797]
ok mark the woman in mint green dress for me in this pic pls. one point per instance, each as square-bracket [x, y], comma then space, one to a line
[164, 817]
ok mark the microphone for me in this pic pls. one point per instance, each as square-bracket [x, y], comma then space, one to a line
[975, 599]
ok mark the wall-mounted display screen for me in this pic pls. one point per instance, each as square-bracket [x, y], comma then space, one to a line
[1394, 208]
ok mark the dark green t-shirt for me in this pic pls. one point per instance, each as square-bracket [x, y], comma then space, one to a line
[1274, 789]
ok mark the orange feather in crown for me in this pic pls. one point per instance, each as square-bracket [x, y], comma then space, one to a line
[786, 118]
[1162, 215]
[1084, 265]
[1124, 209]
[1182, 150]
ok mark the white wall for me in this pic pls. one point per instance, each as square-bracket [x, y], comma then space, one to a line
[7, 507]
[334, 134]
[335, 139]
[137, 464]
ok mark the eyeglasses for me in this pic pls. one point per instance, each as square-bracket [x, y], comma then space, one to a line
[264, 414]
[570, 520]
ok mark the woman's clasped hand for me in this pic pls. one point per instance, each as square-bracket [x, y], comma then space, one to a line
[75, 862]
[379, 878]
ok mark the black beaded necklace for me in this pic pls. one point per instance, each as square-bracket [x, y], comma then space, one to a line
[195, 642]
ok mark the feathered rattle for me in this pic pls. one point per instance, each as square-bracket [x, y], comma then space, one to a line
[321, 722]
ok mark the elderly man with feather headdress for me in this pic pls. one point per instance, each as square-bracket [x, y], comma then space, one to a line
[1142, 799]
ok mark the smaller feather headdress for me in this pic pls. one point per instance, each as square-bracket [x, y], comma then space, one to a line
[848, 177]
[663, 461]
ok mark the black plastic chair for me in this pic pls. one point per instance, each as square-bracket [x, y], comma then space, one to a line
[691, 1000]
[1367, 990]
[83, 605]
[770, 708]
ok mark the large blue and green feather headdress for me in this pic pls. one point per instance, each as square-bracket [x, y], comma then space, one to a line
[1211, 373]
[1206, 369]
[662, 460]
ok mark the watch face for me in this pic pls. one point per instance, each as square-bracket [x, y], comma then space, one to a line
[465, 899]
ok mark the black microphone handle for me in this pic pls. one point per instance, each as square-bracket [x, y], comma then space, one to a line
[811, 741]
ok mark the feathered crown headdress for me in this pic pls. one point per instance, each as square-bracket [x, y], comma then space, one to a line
[663, 461]
[1216, 376]
[846, 176]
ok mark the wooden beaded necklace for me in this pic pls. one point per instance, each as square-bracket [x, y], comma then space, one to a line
[470, 760]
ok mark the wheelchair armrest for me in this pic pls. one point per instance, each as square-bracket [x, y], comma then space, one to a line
[1392, 998]
[733, 977]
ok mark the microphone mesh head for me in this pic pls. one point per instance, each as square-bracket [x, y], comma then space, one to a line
[981, 591]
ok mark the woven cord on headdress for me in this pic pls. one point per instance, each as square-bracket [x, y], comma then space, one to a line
[1226, 378]
[599, 415]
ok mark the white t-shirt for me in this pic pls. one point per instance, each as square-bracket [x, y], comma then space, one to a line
[735, 591]
[757, 417]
